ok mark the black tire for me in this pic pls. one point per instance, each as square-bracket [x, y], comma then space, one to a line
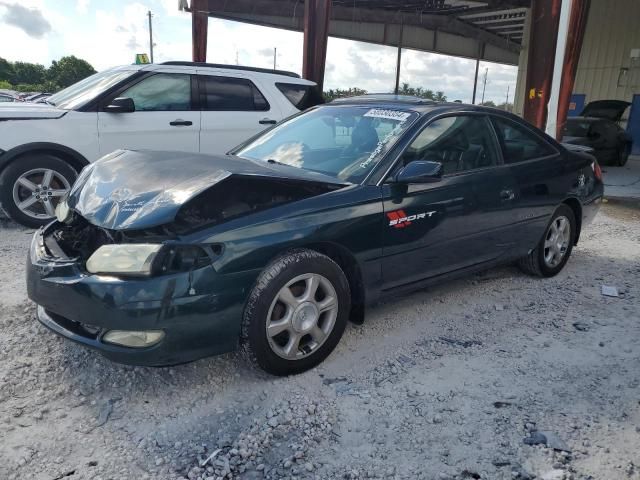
[623, 156]
[281, 271]
[19, 167]
[534, 263]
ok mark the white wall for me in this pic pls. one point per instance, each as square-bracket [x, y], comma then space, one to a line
[613, 30]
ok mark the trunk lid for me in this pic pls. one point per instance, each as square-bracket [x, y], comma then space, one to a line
[609, 109]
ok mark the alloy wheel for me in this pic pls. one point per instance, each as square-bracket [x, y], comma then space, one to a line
[557, 241]
[302, 316]
[37, 192]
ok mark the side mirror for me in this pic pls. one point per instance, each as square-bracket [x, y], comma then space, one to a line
[121, 105]
[420, 171]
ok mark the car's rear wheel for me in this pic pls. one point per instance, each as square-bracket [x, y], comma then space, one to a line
[296, 313]
[553, 251]
[32, 186]
[623, 156]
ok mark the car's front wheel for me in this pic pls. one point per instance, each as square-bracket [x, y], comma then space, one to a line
[32, 186]
[296, 313]
[553, 251]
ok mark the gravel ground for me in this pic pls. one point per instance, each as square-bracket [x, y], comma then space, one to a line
[445, 383]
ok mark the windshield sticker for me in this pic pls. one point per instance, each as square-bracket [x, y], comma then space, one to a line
[381, 144]
[388, 114]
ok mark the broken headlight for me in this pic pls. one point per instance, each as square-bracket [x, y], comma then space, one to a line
[63, 212]
[127, 259]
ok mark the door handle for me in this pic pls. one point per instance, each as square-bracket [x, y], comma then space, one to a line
[507, 195]
[181, 123]
[267, 121]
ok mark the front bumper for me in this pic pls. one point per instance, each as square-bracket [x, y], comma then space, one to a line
[199, 312]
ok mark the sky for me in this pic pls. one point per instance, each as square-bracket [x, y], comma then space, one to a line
[107, 33]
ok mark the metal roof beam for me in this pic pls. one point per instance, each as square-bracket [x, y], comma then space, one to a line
[295, 9]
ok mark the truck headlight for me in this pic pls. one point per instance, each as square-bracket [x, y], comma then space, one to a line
[63, 212]
[127, 259]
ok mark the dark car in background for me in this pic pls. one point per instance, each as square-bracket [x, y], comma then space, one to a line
[597, 127]
[159, 258]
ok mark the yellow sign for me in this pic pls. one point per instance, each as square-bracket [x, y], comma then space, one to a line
[142, 58]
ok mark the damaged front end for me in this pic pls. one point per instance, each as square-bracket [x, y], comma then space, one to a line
[127, 213]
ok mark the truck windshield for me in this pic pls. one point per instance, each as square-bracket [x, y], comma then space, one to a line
[345, 142]
[86, 90]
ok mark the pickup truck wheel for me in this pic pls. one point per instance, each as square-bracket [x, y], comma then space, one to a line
[553, 251]
[31, 187]
[296, 313]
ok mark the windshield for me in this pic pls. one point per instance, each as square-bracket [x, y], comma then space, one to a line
[577, 128]
[346, 142]
[87, 89]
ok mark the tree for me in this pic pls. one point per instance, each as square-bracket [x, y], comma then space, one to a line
[422, 93]
[5, 85]
[340, 93]
[488, 103]
[6, 70]
[25, 72]
[69, 70]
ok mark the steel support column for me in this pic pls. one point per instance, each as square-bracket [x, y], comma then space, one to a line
[316, 36]
[575, 36]
[199, 29]
[545, 15]
[475, 78]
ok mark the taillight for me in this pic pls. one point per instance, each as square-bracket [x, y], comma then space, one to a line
[597, 171]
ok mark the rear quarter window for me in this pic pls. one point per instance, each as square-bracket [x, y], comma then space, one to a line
[518, 143]
[300, 96]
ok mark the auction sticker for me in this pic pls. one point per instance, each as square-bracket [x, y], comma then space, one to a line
[388, 114]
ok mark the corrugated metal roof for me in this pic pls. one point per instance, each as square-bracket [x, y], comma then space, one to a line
[465, 28]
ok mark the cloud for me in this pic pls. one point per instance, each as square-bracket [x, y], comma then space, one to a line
[132, 43]
[82, 6]
[29, 20]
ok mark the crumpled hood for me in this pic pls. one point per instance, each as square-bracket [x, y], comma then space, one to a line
[142, 189]
[27, 110]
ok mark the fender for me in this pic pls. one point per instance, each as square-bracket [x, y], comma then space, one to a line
[77, 160]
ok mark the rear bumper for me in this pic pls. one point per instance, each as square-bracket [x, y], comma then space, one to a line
[591, 204]
[199, 314]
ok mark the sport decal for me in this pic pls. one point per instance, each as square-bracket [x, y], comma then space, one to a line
[399, 219]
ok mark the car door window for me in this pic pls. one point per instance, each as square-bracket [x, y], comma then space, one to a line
[161, 92]
[519, 143]
[461, 143]
[231, 94]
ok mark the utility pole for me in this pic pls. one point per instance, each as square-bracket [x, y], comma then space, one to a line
[237, 63]
[484, 84]
[275, 55]
[506, 104]
[149, 14]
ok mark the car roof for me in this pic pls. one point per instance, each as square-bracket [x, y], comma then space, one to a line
[408, 102]
[274, 75]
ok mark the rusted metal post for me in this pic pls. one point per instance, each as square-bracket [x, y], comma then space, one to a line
[575, 36]
[199, 29]
[316, 36]
[545, 15]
